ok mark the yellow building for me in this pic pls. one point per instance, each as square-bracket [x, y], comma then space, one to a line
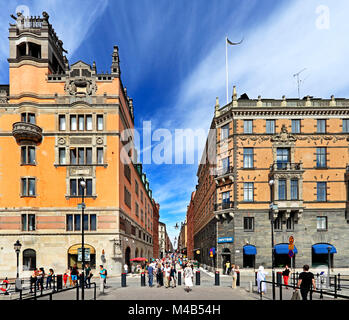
[60, 122]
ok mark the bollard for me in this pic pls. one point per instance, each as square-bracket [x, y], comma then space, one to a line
[179, 278]
[256, 278]
[279, 278]
[197, 283]
[238, 278]
[339, 281]
[59, 282]
[77, 292]
[335, 287]
[250, 286]
[216, 278]
[123, 280]
[142, 279]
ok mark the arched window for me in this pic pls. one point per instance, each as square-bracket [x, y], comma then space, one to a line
[29, 259]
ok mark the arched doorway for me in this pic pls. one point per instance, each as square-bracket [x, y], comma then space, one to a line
[136, 253]
[142, 253]
[320, 254]
[75, 258]
[127, 257]
[226, 256]
[29, 260]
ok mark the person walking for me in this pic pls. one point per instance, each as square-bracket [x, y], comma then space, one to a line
[33, 280]
[160, 275]
[126, 268]
[234, 274]
[305, 281]
[286, 275]
[173, 276]
[69, 271]
[188, 277]
[65, 278]
[150, 275]
[88, 275]
[102, 276]
[49, 278]
[227, 267]
[261, 274]
[167, 275]
[74, 274]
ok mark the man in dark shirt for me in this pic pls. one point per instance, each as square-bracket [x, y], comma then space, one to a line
[305, 280]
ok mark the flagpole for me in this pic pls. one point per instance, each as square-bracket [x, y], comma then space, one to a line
[226, 67]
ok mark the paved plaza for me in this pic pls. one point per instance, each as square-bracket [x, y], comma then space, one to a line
[205, 291]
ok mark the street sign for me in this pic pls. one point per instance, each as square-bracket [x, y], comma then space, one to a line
[226, 240]
[291, 253]
[87, 254]
[291, 240]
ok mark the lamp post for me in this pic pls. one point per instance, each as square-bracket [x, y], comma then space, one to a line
[271, 184]
[329, 248]
[82, 184]
[17, 246]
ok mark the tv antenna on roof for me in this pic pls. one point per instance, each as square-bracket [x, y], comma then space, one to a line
[299, 81]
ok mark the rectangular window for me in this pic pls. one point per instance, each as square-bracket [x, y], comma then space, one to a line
[136, 209]
[248, 126]
[345, 125]
[81, 156]
[321, 126]
[27, 155]
[248, 158]
[136, 187]
[28, 117]
[81, 122]
[127, 197]
[62, 126]
[88, 155]
[248, 191]
[89, 122]
[290, 223]
[321, 191]
[73, 126]
[28, 187]
[225, 132]
[142, 196]
[61, 152]
[100, 155]
[77, 222]
[70, 222]
[296, 126]
[226, 197]
[100, 122]
[282, 157]
[270, 126]
[248, 224]
[93, 222]
[321, 158]
[73, 187]
[225, 165]
[85, 222]
[88, 187]
[73, 159]
[127, 172]
[142, 215]
[321, 223]
[28, 222]
[294, 189]
[282, 189]
[278, 224]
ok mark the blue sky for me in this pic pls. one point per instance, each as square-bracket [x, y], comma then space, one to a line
[173, 60]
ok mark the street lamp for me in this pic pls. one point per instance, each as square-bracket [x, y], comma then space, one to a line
[271, 184]
[329, 248]
[17, 246]
[82, 184]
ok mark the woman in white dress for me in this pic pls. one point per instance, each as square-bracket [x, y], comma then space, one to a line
[188, 277]
[261, 277]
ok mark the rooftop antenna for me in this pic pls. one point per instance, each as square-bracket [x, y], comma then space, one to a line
[299, 81]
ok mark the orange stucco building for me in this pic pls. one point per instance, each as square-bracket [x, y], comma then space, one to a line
[60, 122]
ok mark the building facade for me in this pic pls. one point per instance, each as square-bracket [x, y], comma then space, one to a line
[162, 239]
[190, 227]
[59, 123]
[282, 164]
[156, 216]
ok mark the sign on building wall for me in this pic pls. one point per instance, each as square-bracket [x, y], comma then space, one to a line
[226, 240]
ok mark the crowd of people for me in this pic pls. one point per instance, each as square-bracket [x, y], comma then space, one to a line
[72, 274]
[165, 271]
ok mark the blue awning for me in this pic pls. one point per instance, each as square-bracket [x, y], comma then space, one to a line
[283, 249]
[321, 248]
[250, 250]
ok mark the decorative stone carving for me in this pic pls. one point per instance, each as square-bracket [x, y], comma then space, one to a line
[80, 87]
[99, 140]
[61, 141]
[284, 136]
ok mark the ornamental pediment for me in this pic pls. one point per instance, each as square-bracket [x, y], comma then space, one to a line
[284, 136]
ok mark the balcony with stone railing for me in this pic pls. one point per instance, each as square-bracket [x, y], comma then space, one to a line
[27, 133]
[224, 174]
[224, 210]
